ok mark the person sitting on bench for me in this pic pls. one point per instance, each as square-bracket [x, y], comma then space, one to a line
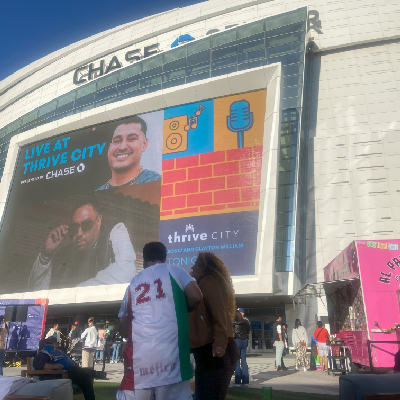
[50, 358]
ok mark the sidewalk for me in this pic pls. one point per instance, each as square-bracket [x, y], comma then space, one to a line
[262, 370]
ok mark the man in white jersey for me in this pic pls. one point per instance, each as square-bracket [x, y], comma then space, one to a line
[154, 318]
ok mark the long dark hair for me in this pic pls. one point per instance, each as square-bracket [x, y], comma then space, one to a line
[297, 323]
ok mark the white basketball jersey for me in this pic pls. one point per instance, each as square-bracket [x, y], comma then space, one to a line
[156, 302]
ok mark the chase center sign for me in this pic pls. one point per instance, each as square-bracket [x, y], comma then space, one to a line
[91, 71]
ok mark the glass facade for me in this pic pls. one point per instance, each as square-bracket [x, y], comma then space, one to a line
[279, 38]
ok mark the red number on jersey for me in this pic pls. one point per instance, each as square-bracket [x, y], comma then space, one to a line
[141, 299]
[160, 293]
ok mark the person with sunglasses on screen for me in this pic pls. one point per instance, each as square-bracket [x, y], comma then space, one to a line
[125, 151]
[95, 255]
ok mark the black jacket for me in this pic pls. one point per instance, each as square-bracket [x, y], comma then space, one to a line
[275, 330]
[241, 329]
[70, 268]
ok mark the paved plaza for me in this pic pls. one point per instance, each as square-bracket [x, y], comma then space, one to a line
[262, 371]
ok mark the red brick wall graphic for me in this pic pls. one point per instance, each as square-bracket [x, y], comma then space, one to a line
[211, 183]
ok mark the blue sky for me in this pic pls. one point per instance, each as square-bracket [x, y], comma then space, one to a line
[32, 29]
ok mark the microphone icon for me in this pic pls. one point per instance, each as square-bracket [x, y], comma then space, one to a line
[240, 120]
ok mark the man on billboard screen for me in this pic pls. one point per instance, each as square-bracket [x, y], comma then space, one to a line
[96, 255]
[125, 151]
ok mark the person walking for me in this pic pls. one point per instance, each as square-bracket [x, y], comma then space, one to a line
[110, 333]
[101, 340]
[101, 332]
[211, 328]
[116, 346]
[285, 346]
[89, 338]
[54, 332]
[99, 351]
[321, 335]
[124, 343]
[76, 333]
[300, 339]
[70, 332]
[3, 335]
[278, 343]
[241, 330]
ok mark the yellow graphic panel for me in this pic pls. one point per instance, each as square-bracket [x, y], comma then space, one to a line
[239, 120]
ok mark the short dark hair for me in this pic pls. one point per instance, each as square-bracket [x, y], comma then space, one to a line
[91, 319]
[84, 201]
[55, 324]
[134, 120]
[278, 316]
[154, 251]
[319, 324]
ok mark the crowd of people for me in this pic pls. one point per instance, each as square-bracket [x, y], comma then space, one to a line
[166, 314]
[96, 344]
[299, 341]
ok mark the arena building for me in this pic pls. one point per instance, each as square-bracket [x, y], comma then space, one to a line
[269, 138]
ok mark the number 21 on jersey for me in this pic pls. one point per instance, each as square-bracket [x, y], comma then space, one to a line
[144, 288]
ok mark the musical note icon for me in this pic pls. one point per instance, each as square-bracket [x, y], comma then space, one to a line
[198, 112]
[193, 121]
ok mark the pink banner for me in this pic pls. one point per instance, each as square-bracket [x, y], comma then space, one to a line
[379, 263]
[344, 265]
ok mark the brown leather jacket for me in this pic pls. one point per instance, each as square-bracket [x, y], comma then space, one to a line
[3, 334]
[210, 322]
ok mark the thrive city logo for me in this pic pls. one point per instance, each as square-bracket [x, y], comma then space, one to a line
[189, 228]
[194, 237]
[190, 242]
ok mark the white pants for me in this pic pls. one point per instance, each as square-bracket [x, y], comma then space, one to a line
[88, 358]
[176, 391]
[322, 349]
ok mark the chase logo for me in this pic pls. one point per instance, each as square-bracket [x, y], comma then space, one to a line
[182, 39]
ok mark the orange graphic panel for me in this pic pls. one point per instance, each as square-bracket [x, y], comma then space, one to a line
[239, 120]
[175, 134]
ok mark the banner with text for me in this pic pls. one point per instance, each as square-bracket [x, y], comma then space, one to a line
[83, 204]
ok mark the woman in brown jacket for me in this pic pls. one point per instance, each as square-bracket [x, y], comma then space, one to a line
[3, 335]
[211, 332]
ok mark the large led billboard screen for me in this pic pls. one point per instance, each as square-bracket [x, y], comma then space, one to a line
[83, 204]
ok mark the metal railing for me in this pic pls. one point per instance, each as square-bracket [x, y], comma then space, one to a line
[369, 342]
